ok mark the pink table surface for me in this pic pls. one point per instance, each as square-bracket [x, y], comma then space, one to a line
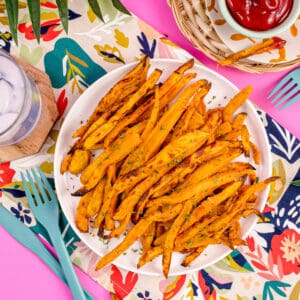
[159, 15]
[35, 280]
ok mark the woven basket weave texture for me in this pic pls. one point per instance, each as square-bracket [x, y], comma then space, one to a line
[193, 21]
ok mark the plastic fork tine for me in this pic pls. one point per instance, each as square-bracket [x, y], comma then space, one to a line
[287, 96]
[27, 191]
[282, 91]
[279, 86]
[47, 184]
[286, 91]
[37, 196]
[40, 186]
[290, 102]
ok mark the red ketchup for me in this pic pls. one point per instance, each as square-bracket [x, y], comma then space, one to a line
[259, 15]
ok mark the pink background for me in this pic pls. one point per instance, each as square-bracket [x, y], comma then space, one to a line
[22, 275]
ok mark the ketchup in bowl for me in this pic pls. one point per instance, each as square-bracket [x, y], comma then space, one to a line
[259, 15]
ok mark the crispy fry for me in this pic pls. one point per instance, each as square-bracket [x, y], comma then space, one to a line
[96, 170]
[168, 157]
[96, 199]
[264, 46]
[186, 167]
[100, 133]
[66, 162]
[192, 256]
[239, 121]
[132, 235]
[212, 124]
[255, 153]
[172, 89]
[245, 140]
[81, 219]
[127, 85]
[157, 136]
[79, 162]
[207, 205]
[149, 255]
[154, 115]
[148, 236]
[213, 166]
[182, 125]
[172, 234]
[111, 206]
[235, 102]
[200, 190]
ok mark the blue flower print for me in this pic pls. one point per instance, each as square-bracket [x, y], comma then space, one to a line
[21, 213]
[144, 296]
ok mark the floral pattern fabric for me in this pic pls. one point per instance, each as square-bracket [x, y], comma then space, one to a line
[267, 268]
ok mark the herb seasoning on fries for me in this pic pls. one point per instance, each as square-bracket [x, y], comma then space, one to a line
[170, 170]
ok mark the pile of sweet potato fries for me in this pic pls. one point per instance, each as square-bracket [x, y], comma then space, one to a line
[169, 172]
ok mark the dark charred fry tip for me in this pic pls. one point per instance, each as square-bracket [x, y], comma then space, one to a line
[272, 179]
[80, 192]
[252, 167]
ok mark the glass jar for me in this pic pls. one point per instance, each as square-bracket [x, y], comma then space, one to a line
[20, 102]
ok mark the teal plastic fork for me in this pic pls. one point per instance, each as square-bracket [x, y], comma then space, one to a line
[44, 205]
[287, 91]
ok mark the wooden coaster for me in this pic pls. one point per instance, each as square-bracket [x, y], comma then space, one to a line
[49, 114]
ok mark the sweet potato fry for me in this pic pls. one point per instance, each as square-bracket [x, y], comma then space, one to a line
[79, 161]
[186, 167]
[148, 237]
[153, 142]
[133, 234]
[255, 153]
[109, 205]
[172, 234]
[193, 255]
[245, 140]
[81, 219]
[100, 133]
[183, 123]
[153, 116]
[201, 189]
[265, 45]
[96, 199]
[239, 120]
[235, 102]
[212, 166]
[96, 170]
[211, 202]
[64, 166]
[173, 88]
[149, 255]
[168, 157]
[127, 85]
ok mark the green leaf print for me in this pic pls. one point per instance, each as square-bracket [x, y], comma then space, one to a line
[69, 62]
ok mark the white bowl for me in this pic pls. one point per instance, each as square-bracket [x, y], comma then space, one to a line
[289, 21]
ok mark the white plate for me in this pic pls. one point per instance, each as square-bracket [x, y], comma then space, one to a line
[226, 33]
[222, 90]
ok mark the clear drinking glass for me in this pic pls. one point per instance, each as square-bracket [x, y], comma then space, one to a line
[20, 102]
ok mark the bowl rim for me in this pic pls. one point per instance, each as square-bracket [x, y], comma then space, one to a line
[292, 17]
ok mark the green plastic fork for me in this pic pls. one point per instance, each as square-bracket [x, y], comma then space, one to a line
[287, 91]
[44, 205]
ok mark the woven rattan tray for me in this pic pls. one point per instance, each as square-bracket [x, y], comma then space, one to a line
[192, 19]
